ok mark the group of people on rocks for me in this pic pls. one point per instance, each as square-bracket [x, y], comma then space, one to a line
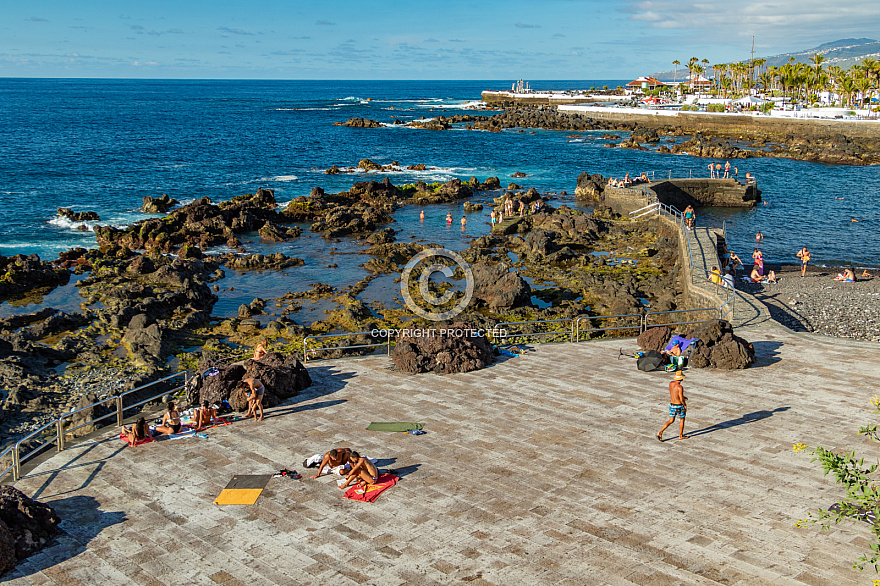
[511, 209]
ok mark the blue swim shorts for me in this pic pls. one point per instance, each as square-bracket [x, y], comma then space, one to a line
[677, 410]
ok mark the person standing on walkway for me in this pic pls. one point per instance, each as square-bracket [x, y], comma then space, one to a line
[727, 169]
[711, 170]
[677, 406]
[804, 255]
[689, 217]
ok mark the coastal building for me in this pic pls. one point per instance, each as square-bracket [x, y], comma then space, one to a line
[644, 84]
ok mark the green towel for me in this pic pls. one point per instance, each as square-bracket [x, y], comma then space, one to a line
[394, 426]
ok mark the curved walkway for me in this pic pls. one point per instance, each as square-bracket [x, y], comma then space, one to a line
[542, 469]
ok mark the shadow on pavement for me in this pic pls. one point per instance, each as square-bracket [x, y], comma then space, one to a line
[747, 418]
[81, 521]
[766, 353]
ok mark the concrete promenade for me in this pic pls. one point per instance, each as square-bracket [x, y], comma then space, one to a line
[541, 469]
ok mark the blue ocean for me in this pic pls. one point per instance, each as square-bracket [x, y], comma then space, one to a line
[102, 145]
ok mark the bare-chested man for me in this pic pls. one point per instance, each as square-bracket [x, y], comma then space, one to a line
[332, 459]
[362, 470]
[677, 406]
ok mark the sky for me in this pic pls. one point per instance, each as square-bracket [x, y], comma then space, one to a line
[443, 39]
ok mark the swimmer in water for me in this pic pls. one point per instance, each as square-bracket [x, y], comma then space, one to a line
[853, 220]
[759, 238]
[422, 216]
[449, 218]
[463, 221]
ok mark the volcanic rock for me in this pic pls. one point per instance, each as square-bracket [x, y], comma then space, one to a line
[26, 527]
[426, 351]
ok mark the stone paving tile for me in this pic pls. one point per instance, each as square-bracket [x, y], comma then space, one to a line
[541, 469]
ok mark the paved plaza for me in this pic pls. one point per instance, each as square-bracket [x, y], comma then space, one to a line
[541, 469]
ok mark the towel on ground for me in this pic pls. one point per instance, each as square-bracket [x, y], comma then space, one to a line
[371, 492]
[394, 426]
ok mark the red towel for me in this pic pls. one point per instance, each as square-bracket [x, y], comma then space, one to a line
[138, 442]
[372, 491]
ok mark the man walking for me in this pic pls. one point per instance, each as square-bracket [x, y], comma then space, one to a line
[677, 406]
[804, 255]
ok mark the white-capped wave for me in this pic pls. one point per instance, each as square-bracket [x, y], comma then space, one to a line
[69, 224]
[282, 178]
[460, 106]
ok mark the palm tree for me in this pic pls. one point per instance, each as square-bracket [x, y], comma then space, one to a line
[818, 59]
[675, 73]
[718, 73]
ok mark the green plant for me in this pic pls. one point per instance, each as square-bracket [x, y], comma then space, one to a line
[766, 107]
[862, 500]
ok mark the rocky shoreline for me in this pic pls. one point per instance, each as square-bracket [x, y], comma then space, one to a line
[706, 139]
[148, 291]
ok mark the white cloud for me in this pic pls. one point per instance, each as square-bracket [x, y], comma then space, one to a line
[773, 22]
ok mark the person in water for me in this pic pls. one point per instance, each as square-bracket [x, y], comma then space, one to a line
[422, 216]
[759, 237]
[463, 221]
[449, 218]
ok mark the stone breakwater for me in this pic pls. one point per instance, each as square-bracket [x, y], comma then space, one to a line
[718, 137]
[817, 303]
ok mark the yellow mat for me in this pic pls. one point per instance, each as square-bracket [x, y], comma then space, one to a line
[243, 490]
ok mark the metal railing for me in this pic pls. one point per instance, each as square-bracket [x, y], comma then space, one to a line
[307, 352]
[60, 432]
[569, 330]
[580, 318]
[679, 311]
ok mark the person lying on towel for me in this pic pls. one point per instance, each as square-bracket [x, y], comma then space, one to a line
[337, 458]
[362, 471]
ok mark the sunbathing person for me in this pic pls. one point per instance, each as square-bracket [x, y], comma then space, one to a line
[866, 274]
[335, 458]
[771, 277]
[756, 276]
[261, 349]
[847, 275]
[170, 421]
[138, 432]
[255, 391]
[362, 471]
[203, 416]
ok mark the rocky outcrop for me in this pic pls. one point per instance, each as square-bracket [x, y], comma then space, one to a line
[158, 205]
[426, 351]
[200, 223]
[496, 286]
[590, 187]
[26, 527]
[22, 273]
[360, 123]
[78, 216]
[717, 345]
[283, 377]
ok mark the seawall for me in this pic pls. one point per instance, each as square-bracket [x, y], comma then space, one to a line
[729, 124]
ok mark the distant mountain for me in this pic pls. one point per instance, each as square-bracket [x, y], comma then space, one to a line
[843, 53]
